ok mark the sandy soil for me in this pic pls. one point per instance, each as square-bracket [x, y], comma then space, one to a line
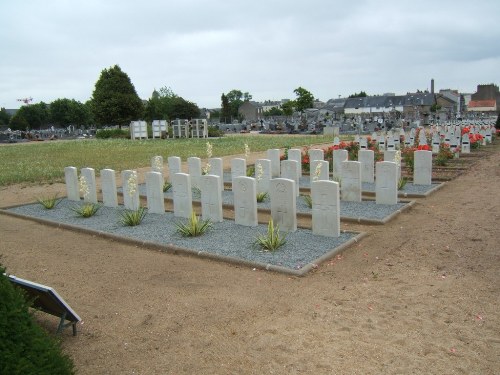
[419, 295]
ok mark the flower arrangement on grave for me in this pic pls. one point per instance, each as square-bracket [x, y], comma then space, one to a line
[157, 164]
[88, 209]
[206, 168]
[272, 240]
[132, 184]
[475, 140]
[408, 156]
[259, 172]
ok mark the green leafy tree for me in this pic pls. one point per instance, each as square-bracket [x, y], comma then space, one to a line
[304, 99]
[235, 99]
[274, 111]
[182, 108]
[64, 112]
[225, 113]
[4, 117]
[114, 100]
[361, 94]
[25, 348]
[288, 107]
[32, 116]
[166, 105]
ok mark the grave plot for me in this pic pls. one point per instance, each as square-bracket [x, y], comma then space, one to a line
[224, 241]
[366, 211]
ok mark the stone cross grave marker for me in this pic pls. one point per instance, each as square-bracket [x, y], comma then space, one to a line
[182, 195]
[386, 183]
[326, 208]
[108, 186]
[351, 181]
[154, 193]
[283, 203]
[71, 180]
[245, 204]
[211, 198]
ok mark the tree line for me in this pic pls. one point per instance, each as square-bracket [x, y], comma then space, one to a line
[115, 101]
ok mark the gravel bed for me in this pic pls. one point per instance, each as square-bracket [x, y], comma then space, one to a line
[365, 210]
[224, 239]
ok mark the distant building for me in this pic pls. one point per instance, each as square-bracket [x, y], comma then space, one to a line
[251, 111]
[486, 100]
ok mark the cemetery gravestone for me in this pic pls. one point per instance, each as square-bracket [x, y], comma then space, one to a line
[465, 144]
[211, 198]
[422, 171]
[108, 184]
[238, 169]
[194, 170]
[296, 155]
[326, 208]
[283, 204]
[263, 179]
[89, 175]
[339, 156]
[182, 195]
[154, 192]
[245, 204]
[217, 170]
[71, 179]
[274, 156]
[367, 160]
[289, 171]
[351, 181]
[316, 154]
[386, 185]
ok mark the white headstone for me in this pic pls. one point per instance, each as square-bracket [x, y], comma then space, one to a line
[422, 170]
[363, 144]
[367, 160]
[157, 164]
[336, 141]
[325, 208]
[245, 204]
[154, 192]
[283, 204]
[264, 179]
[289, 171]
[89, 175]
[465, 144]
[296, 155]
[238, 169]
[351, 181]
[339, 156]
[436, 142]
[183, 200]
[108, 187]
[391, 146]
[320, 170]
[71, 179]
[274, 156]
[211, 198]
[194, 170]
[130, 190]
[174, 165]
[386, 185]
[316, 154]
[216, 168]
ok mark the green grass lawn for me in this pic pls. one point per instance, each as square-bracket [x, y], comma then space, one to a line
[44, 162]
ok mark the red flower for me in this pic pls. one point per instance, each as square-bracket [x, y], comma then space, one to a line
[423, 148]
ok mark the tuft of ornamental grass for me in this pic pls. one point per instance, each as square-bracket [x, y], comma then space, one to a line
[261, 197]
[193, 227]
[131, 218]
[48, 202]
[272, 240]
[166, 186]
[251, 171]
[87, 210]
[307, 200]
[402, 183]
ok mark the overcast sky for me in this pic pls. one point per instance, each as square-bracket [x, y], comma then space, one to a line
[200, 49]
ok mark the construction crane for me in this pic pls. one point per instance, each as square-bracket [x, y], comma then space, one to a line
[26, 101]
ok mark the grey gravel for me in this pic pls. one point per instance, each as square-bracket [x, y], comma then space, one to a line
[225, 238]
